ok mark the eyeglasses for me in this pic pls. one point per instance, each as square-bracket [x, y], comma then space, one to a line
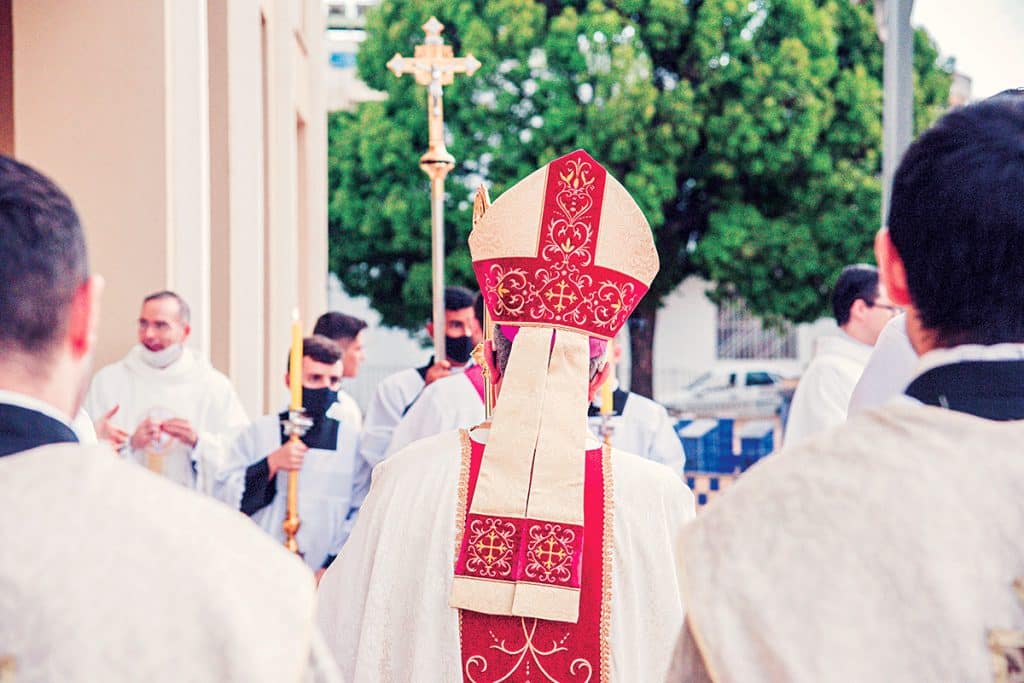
[893, 310]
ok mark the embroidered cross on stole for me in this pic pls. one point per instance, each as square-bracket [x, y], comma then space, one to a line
[511, 648]
[1007, 648]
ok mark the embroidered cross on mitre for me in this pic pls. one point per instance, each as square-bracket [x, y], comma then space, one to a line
[1007, 648]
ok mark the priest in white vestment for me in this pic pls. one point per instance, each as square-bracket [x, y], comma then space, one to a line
[889, 549]
[109, 573]
[862, 308]
[177, 408]
[523, 549]
[254, 477]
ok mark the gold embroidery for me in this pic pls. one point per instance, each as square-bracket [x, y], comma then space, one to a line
[526, 656]
[606, 550]
[489, 550]
[460, 506]
[549, 553]
[1007, 648]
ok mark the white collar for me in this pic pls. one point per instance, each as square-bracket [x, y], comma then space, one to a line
[968, 352]
[178, 368]
[14, 398]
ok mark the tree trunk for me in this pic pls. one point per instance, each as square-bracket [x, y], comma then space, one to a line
[641, 348]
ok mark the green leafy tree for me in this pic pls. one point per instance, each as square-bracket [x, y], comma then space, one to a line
[749, 132]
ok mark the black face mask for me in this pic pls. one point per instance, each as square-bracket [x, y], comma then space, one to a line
[458, 349]
[315, 402]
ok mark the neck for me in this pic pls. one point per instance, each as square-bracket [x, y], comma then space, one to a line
[48, 384]
[855, 332]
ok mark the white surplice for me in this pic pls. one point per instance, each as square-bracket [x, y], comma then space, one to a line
[645, 429]
[189, 388]
[882, 550]
[823, 394]
[889, 370]
[383, 604]
[109, 573]
[449, 403]
[325, 482]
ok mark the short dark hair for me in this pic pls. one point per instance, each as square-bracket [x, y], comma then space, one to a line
[338, 326]
[859, 281]
[956, 219]
[184, 312]
[43, 259]
[457, 298]
[319, 348]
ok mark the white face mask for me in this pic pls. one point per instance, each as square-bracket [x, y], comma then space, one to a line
[163, 358]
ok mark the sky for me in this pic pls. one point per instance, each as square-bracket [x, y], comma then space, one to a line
[985, 36]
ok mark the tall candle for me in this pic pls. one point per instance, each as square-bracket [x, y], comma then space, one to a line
[295, 364]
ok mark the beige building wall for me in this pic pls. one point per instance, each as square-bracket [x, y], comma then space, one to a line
[191, 135]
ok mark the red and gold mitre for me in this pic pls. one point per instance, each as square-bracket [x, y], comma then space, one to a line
[563, 257]
[566, 247]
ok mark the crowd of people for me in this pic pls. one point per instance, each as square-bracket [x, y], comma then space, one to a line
[143, 517]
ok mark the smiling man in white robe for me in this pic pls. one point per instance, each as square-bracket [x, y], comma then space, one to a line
[178, 410]
[889, 549]
[523, 548]
[107, 572]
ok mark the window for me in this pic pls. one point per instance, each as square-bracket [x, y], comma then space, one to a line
[741, 335]
[757, 379]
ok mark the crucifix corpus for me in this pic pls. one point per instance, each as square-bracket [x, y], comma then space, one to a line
[435, 66]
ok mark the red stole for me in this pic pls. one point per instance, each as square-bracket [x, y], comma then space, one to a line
[475, 375]
[507, 648]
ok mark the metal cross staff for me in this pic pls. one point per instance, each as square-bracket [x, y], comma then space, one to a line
[435, 66]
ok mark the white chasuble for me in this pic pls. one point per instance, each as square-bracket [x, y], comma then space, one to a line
[109, 573]
[452, 402]
[384, 602]
[883, 550]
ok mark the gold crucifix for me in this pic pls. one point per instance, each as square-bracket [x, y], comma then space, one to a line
[434, 65]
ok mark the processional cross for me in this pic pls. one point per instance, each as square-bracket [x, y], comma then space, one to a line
[435, 66]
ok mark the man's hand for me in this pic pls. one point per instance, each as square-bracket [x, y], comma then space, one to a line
[147, 432]
[288, 457]
[107, 431]
[440, 369]
[181, 430]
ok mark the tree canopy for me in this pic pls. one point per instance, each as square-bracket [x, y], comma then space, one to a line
[748, 131]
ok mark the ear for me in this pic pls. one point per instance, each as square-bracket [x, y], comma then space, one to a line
[288, 380]
[83, 317]
[891, 269]
[188, 330]
[430, 329]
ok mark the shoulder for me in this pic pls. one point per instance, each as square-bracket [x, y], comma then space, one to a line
[441, 452]
[113, 370]
[642, 479]
[645, 406]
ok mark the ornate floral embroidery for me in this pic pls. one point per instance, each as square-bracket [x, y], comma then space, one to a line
[491, 547]
[526, 657]
[562, 285]
[550, 550]
[1007, 648]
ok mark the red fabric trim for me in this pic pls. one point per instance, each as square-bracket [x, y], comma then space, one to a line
[561, 285]
[519, 649]
[475, 375]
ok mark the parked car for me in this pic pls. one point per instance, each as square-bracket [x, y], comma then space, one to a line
[735, 389]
